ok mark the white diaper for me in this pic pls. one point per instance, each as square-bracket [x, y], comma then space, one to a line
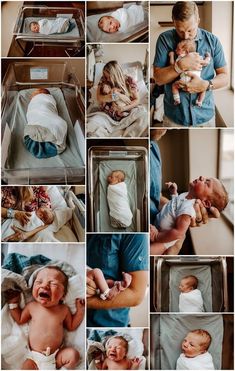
[42, 361]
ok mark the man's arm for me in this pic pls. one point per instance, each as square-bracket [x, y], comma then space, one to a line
[131, 297]
[176, 233]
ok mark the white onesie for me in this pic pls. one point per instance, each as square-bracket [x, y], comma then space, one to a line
[129, 17]
[53, 26]
[118, 203]
[179, 205]
[203, 361]
[33, 223]
[191, 301]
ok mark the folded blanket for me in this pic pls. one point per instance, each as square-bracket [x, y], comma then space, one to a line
[201, 362]
[191, 301]
[129, 17]
[52, 26]
[118, 202]
[44, 126]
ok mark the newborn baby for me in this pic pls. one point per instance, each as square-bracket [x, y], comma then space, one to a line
[116, 356]
[114, 109]
[118, 202]
[185, 47]
[48, 317]
[45, 132]
[190, 299]
[195, 355]
[107, 289]
[122, 19]
[42, 216]
[50, 26]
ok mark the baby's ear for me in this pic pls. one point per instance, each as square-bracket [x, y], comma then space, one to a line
[207, 204]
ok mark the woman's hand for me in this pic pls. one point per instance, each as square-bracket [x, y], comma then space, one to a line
[22, 216]
[202, 215]
[124, 98]
[20, 235]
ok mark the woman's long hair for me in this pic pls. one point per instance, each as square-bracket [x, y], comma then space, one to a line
[24, 196]
[116, 76]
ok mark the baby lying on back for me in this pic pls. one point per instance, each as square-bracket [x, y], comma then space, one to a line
[118, 202]
[190, 299]
[50, 26]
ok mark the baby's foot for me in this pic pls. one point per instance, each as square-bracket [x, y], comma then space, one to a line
[114, 291]
[127, 278]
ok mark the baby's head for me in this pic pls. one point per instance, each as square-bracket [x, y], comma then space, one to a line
[116, 348]
[34, 27]
[196, 342]
[185, 47]
[50, 286]
[117, 176]
[210, 191]
[106, 89]
[188, 283]
[108, 24]
[45, 214]
[39, 91]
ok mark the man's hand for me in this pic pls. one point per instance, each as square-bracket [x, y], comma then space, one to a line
[22, 216]
[202, 216]
[191, 62]
[196, 85]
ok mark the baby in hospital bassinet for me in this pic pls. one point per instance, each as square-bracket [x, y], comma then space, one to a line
[42, 216]
[190, 299]
[118, 202]
[122, 19]
[107, 289]
[48, 317]
[195, 354]
[45, 132]
[51, 26]
[175, 217]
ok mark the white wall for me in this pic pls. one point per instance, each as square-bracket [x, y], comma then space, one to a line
[124, 53]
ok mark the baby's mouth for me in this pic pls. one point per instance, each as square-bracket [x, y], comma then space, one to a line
[44, 295]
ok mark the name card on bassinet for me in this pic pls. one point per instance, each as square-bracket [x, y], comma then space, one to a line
[38, 73]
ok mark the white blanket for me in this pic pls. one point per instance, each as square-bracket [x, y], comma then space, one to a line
[201, 362]
[33, 223]
[118, 202]
[44, 123]
[129, 17]
[99, 124]
[191, 301]
[52, 26]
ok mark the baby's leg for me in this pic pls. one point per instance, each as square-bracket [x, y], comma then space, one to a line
[200, 98]
[175, 92]
[97, 276]
[29, 364]
[67, 358]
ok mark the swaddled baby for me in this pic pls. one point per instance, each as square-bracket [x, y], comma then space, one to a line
[190, 299]
[50, 26]
[118, 202]
[114, 109]
[42, 216]
[195, 354]
[45, 132]
[122, 19]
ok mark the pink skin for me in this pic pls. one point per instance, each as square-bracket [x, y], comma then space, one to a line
[184, 285]
[35, 27]
[202, 188]
[45, 215]
[116, 350]
[192, 345]
[110, 24]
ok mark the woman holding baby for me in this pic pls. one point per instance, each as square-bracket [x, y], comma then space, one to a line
[18, 203]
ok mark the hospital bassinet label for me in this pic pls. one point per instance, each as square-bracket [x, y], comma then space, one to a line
[38, 73]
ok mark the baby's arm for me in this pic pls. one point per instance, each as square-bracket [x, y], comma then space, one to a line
[172, 188]
[21, 316]
[72, 322]
[178, 232]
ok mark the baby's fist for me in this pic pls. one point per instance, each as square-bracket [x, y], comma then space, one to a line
[80, 303]
[172, 188]
[12, 296]
[135, 362]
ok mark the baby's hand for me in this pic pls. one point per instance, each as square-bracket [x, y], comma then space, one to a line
[80, 304]
[172, 188]
[12, 296]
[153, 233]
[135, 362]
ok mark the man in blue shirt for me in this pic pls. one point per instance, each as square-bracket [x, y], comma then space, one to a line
[114, 254]
[213, 76]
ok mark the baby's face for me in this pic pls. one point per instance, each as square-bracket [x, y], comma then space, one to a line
[45, 214]
[116, 350]
[192, 345]
[109, 24]
[35, 27]
[114, 178]
[203, 188]
[48, 287]
[106, 89]
[185, 286]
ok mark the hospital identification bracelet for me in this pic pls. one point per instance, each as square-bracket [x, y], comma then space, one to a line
[13, 305]
[177, 69]
[10, 213]
[114, 96]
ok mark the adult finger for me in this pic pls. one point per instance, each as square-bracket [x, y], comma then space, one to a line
[215, 212]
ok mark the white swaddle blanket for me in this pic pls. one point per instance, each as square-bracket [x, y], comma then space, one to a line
[129, 17]
[6, 227]
[201, 362]
[44, 123]
[191, 301]
[52, 26]
[118, 202]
